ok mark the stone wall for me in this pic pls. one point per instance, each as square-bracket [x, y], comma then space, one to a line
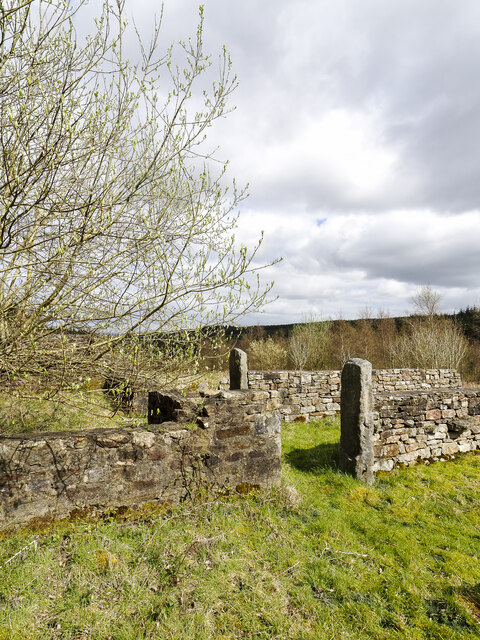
[389, 429]
[424, 425]
[308, 394]
[414, 379]
[222, 439]
[313, 394]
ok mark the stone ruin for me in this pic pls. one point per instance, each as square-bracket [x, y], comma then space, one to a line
[220, 440]
[389, 417]
[231, 439]
[310, 395]
[381, 430]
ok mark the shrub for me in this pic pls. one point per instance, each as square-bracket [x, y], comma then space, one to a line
[267, 354]
[308, 345]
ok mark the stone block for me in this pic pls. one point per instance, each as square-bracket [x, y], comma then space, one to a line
[384, 435]
[405, 458]
[415, 446]
[266, 424]
[389, 451]
[427, 425]
[273, 404]
[144, 439]
[238, 369]
[232, 432]
[383, 465]
[449, 448]
[171, 407]
[448, 413]
[356, 439]
[459, 426]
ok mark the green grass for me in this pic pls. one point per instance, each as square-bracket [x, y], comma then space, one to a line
[65, 411]
[323, 556]
[88, 408]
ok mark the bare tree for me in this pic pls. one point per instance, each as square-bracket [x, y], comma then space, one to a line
[308, 344]
[426, 301]
[430, 341]
[438, 344]
[111, 220]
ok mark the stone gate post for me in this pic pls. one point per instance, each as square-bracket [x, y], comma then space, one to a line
[356, 438]
[238, 369]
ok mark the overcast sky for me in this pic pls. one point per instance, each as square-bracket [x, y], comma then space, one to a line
[357, 126]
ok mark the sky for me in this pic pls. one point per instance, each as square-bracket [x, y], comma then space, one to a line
[357, 128]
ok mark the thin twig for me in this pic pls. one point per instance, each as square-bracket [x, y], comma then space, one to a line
[288, 569]
[21, 553]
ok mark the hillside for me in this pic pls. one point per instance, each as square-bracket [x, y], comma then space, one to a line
[445, 341]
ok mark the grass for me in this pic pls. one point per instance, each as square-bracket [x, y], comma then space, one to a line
[67, 411]
[323, 556]
[90, 408]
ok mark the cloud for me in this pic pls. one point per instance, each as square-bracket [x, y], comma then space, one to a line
[349, 105]
[409, 246]
[362, 115]
[357, 260]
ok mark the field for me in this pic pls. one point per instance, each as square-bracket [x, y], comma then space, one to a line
[323, 556]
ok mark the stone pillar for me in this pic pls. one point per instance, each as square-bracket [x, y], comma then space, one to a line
[356, 438]
[238, 369]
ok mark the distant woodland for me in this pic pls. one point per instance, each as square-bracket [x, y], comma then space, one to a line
[426, 341]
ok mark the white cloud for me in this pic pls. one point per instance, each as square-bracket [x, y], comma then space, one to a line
[365, 114]
[339, 152]
[356, 260]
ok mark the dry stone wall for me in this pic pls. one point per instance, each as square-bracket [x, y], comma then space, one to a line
[414, 379]
[388, 429]
[222, 439]
[313, 394]
[309, 394]
[424, 425]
